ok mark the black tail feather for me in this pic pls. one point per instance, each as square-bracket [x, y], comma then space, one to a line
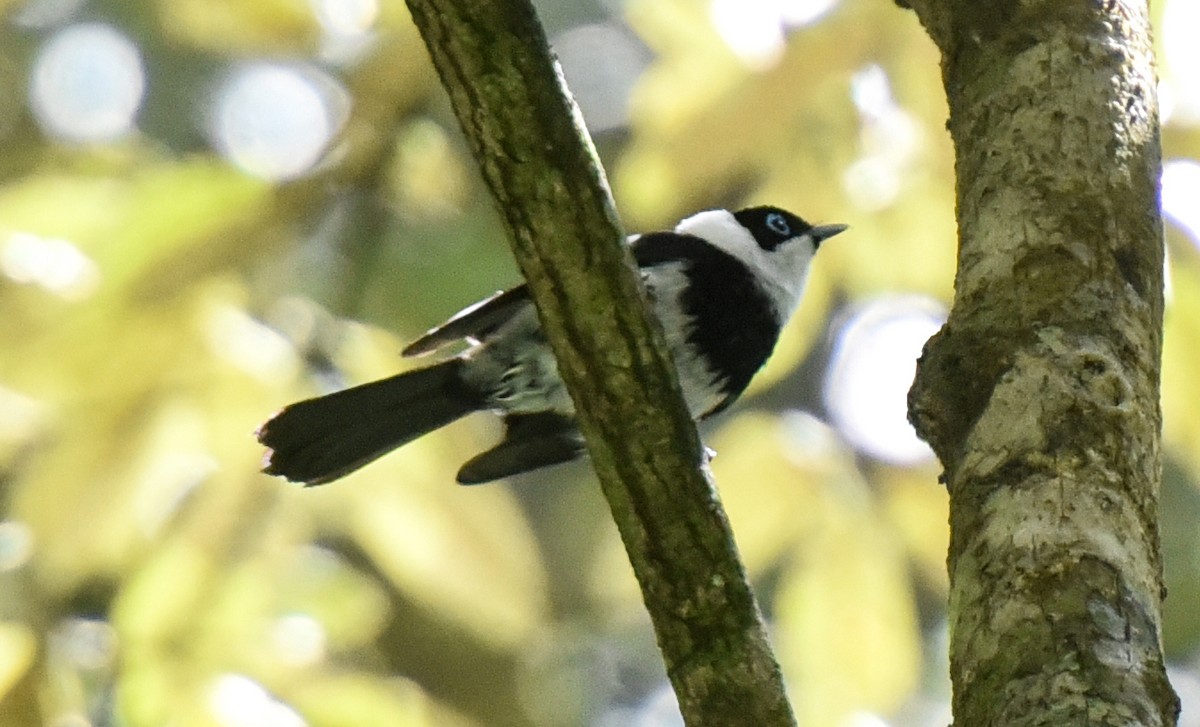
[531, 441]
[319, 440]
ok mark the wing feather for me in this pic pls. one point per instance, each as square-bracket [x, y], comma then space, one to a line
[473, 322]
[480, 319]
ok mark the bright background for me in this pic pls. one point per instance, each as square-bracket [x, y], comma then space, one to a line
[211, 208]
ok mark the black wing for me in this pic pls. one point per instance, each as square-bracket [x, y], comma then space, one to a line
[656, 248]
[475, 321]
[478, 320]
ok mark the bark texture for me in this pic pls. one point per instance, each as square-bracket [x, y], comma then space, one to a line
[536, 159]
[1041, 393]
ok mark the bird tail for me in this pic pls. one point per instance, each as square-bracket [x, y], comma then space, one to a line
[319, 440]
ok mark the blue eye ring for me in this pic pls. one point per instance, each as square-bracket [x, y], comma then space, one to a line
[777, 224]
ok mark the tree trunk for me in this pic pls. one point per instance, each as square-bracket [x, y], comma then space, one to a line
[1041, 393]
[493, 59]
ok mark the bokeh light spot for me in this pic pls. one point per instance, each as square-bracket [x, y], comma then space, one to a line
[275, 121]
[299, 639]
[890, 139]
[867, 383]
[86, 643]
[248, 344]
[50, 262]
[16, 544]
[21, 416]
[1180, 190]
[346, 17]
[755, 30]
[87, 84]
[238, 701]
[1181, 61]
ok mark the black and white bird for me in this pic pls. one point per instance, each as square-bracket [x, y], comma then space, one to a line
[723, 284]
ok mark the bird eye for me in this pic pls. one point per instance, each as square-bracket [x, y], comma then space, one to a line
[778, 224]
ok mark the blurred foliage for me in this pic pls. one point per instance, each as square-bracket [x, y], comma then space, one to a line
[149, 574]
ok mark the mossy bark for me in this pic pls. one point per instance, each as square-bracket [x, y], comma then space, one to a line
[1041, 393]
[536, 159]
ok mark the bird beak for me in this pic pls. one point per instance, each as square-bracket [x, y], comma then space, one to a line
[821, 233]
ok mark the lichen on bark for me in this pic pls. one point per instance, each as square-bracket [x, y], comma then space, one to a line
[1040, 394]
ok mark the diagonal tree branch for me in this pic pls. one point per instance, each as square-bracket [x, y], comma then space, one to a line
[537, 161]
